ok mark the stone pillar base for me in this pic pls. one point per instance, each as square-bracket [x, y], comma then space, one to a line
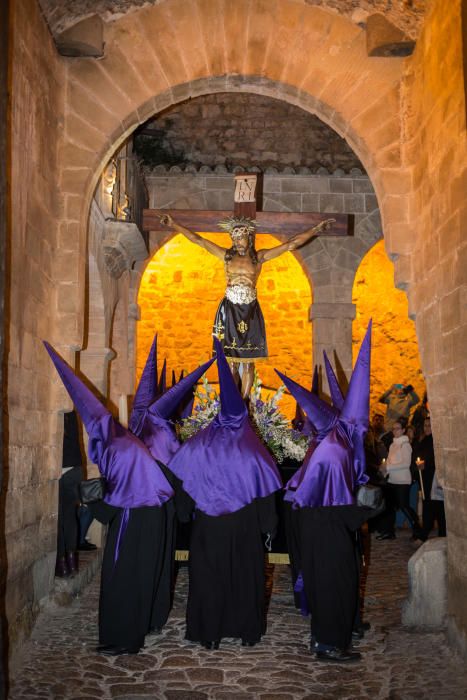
[426, 605]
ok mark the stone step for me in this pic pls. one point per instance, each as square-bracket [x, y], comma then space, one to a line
[65, 589]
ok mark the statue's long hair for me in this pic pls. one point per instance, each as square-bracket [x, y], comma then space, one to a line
[231, 252]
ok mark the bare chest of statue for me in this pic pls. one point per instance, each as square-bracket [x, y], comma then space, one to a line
[242, 270]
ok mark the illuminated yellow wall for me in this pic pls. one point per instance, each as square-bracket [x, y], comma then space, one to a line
[179, 294]
[394, 357]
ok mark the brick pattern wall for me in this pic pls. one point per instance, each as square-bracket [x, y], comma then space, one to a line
[34, 433]
[434, 132]
[243, 129]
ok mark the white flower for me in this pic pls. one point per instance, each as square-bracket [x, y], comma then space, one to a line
[270, 424]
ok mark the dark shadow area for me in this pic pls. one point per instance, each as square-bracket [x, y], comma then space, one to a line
[4, 318]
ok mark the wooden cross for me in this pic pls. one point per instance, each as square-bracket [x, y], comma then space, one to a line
[248, 202]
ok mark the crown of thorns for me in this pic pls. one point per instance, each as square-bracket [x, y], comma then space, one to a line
[234, 222]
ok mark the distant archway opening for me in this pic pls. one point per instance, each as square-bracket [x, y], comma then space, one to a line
[395, 358]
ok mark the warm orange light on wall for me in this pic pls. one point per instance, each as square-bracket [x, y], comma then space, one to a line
[394, 357]
[179, 294]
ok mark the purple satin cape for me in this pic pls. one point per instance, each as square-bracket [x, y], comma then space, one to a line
[159, 437]
[225, 466]
[133, 478]
[329, 477]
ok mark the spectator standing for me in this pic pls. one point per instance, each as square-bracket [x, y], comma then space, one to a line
[433, 503]
[398, 486]
[399, 399]
[418, 419]
[68, 498]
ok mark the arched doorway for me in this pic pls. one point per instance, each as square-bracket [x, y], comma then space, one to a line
[395, 357]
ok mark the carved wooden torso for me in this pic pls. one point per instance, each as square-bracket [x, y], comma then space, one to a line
[242, 270]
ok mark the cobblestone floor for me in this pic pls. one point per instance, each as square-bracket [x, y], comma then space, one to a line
[398, 664]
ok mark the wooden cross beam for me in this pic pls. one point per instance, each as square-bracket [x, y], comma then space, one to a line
[247, 202]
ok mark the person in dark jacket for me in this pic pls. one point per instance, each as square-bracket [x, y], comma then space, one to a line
[68, 498]
[433, 508]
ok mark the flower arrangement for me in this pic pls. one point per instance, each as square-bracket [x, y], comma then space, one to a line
[271, 425]
[207, 406]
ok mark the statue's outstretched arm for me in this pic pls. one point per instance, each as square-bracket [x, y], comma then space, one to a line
[211, 247]
[294, 242]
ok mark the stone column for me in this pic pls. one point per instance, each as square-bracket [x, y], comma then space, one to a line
[332, 331]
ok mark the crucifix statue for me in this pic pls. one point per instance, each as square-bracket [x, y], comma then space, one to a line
[239, 322]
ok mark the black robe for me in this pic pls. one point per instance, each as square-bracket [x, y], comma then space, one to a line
[292, 530]
[330, 570]
[226, 570]
[136, 592]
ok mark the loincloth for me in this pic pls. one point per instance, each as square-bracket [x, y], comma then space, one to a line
[240, 326]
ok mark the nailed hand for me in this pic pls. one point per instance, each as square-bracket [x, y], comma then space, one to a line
[166, 220]
[325, 225]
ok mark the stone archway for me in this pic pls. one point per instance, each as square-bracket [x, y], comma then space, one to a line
[405, 119]
[216, 52]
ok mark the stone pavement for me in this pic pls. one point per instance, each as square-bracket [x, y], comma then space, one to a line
[398, 664]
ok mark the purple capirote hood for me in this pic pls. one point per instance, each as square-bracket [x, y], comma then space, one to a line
[147, 390]
[133, 478]
[321, 414]
[329, 477]
[226, 466]
[337, 396]
[155, 428]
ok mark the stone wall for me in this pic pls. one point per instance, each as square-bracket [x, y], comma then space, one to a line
[34, 432]
[434, 133]
[236, 130]
[405, 14]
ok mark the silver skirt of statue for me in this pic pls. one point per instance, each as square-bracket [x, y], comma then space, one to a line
[240, 294]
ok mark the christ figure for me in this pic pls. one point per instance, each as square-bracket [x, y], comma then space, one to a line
[239, 322]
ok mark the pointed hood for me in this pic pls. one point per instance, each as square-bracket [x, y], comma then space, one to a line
[132, 477]
[315, 381]
[165, 406]
[337, 396]
[355, 411]
[321, 415]
[327, 477]
[232, 405]
[156, 429]
[333, 469]
[226, 466]
[147, 390]
[96, 418]
[356, 406]
[301, 421]
[186, 406]
[163, 378]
